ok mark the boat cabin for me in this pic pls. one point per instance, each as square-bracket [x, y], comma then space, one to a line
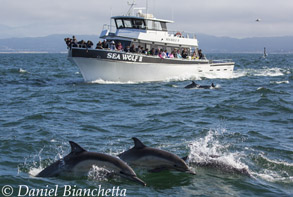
[131, 22]
[143, 30]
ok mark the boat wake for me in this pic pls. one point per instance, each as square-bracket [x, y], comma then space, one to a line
[101, 81]
[264, 72]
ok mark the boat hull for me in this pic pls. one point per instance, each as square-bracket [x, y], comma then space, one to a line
[141, 68]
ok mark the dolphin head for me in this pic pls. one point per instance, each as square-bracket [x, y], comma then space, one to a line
[180, 165]
[129, 174]
[157, 159]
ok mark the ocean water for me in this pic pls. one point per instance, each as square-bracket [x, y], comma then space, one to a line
[246, 123]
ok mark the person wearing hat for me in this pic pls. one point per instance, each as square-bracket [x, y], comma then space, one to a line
[112, 45]
[104, 44]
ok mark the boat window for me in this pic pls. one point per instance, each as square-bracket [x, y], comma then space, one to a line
[164, 26]
[119, 23]
[156, 25]
[138, 24]
[127, 23]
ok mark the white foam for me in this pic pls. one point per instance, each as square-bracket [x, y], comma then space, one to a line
[273, 176]
[271, 72]
[202, 151]
[98, 173]
[22, 70]
[101, 81]
[279, 82]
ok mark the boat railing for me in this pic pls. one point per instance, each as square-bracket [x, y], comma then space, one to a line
[220, 61]
[182, 34]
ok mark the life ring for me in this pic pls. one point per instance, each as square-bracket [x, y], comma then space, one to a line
[178, 34]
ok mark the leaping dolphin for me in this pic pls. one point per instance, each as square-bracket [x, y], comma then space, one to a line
[79, 162]
[154, 159]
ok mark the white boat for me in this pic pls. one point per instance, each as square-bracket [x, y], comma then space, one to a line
[150, 33]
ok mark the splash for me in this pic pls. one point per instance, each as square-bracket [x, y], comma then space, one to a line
[98, 173]
[210, 152]
[22, 70]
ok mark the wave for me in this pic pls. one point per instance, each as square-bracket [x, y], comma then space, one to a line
[279, 82]
[273, 170]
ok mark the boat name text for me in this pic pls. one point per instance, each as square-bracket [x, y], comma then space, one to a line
[172, 39]
[124, 57]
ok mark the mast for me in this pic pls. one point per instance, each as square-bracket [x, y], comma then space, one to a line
[265, 52]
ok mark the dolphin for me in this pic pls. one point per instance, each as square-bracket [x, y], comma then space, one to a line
[192, 85]
[207, 86]
[153, 159]
[212, 162]
[79, 162]
[195, 85]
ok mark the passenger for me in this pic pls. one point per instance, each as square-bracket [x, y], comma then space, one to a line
[193, 57]
[127, 49]
[174, 52]
[171, 55]
[141, 50]
[184, 54]
[104, 44]
[132, 49]
[67, 41]
[99, 45]
[163, 54]
[89, 44]
[178, 54]
[152, 52]
[74, 42]
[167, 54]
[146, 51]
[119, 46]
[201, 56]
[157, 52]
[138, 49]
[112, 46]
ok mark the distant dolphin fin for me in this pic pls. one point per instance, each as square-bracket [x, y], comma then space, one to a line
[137, 143]
[75, 148]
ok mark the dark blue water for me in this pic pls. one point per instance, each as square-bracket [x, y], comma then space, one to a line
[247, 121]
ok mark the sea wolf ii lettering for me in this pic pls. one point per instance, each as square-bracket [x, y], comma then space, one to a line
[130, 57]
[114, 56]
[125, 57]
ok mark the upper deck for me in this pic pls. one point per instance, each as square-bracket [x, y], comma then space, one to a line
[146, 28]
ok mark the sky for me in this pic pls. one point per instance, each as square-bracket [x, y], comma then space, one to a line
[229, 18]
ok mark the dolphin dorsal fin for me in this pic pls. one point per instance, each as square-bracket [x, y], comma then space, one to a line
[137, 143]
[75, 148]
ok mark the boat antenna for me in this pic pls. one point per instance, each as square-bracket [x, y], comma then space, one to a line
[147, 3]
[131, 6]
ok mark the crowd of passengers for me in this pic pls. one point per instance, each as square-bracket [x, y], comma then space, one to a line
[176, 53]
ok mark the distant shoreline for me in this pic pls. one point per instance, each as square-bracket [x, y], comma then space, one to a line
[31, 52]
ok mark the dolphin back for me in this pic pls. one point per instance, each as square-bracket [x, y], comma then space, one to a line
[52, 170]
